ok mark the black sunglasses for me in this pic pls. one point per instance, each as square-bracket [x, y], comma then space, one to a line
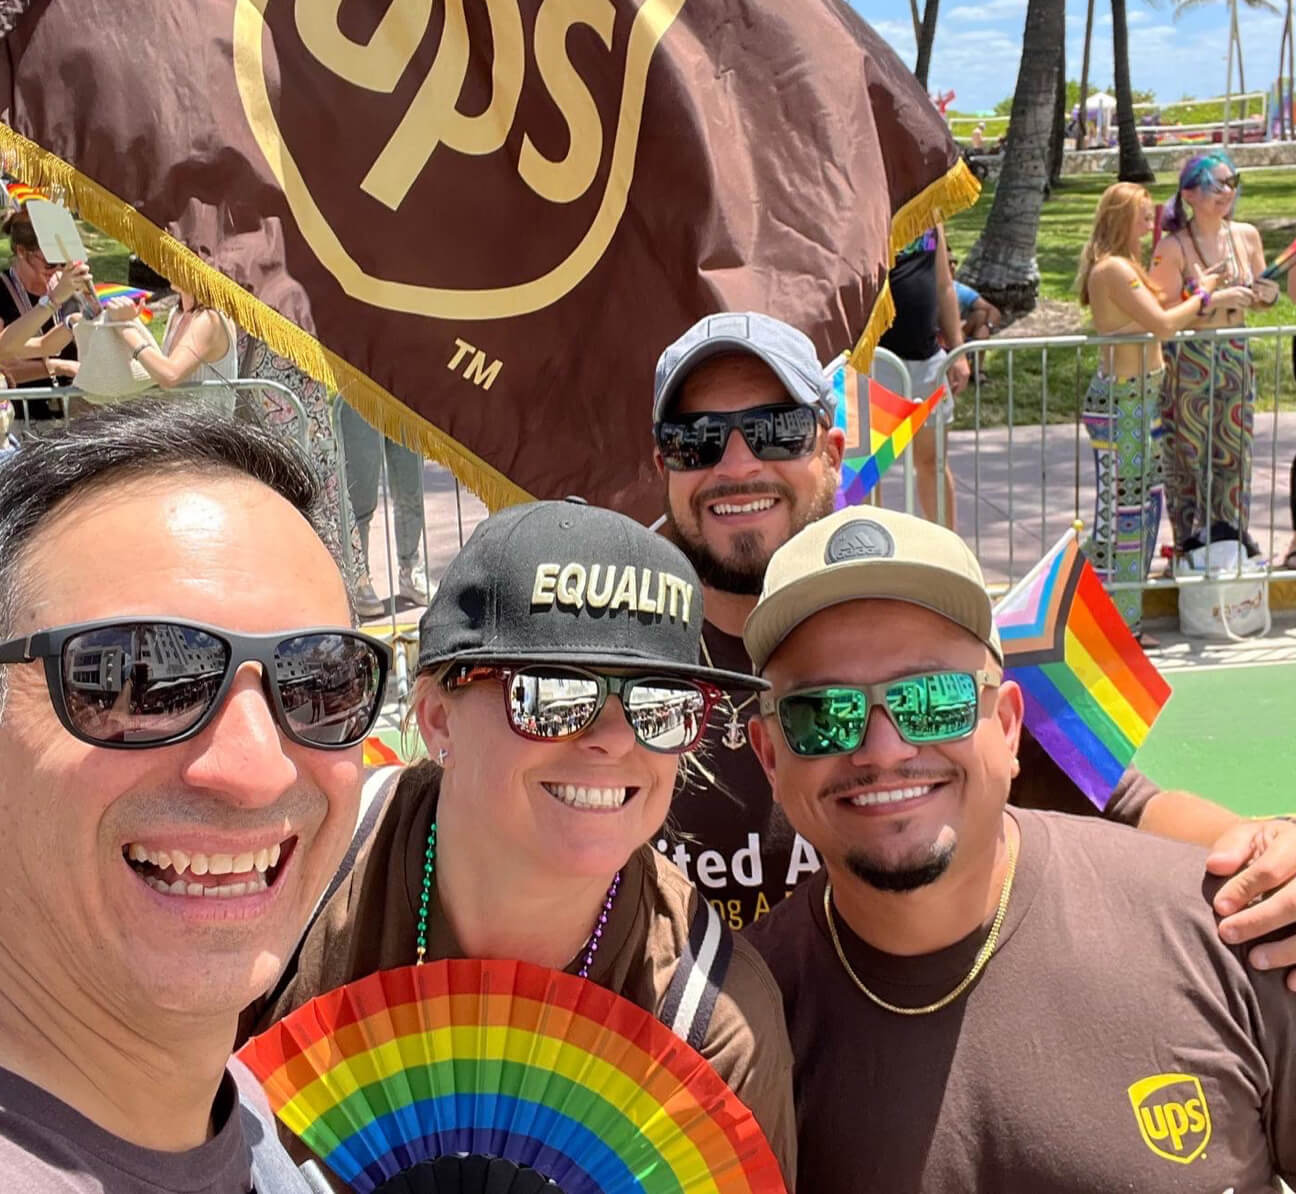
[130, 683]
[782, 431]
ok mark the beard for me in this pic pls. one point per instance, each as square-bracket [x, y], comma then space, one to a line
[742, 569]
[907, 875]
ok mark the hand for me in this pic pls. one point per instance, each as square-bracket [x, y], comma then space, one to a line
[61, 368]
[1266, 291]
[120, 310]
[73, 278]
[1261, 857]
[1207, 281]
[1234, 296]
[958, 375]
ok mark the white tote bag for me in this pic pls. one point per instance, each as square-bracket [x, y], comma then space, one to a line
[107, 371]
[1223, 605]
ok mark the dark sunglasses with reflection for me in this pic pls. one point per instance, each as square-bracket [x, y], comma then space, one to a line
[132, 683]
[549, 702]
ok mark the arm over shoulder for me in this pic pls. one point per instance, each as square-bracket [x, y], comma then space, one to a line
[747, 1044]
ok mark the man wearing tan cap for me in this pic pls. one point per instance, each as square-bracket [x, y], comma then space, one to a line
[981, 998]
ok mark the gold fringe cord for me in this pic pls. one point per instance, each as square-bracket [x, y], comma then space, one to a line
[956, 190]
[184, 268]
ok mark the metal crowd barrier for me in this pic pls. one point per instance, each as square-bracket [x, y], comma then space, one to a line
[22, 397]
[1026, 492]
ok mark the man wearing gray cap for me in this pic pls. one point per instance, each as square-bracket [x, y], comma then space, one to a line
[1041, 1002]
[743, 423]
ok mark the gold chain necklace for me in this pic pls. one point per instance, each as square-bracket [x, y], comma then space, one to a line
[735, 737]
[983, 954]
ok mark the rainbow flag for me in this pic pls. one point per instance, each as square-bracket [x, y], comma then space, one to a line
[892, 423]
[378, 754]
[111, 290]
[20, 192]
[1282, 263]
[1091, 693]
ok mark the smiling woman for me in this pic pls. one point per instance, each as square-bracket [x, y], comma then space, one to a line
[558, 686]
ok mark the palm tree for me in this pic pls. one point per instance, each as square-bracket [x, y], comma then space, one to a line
[925, 34]
[1002, 263]
[1234, 44]
[1133, 165]
[1057, 136]
[1083, 123]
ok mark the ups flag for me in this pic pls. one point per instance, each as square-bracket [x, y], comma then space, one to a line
[482, 220]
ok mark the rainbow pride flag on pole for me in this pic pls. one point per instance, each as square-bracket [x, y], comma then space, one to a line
[892, 424]
[19, 192]
[1091, 693]
[111, 290]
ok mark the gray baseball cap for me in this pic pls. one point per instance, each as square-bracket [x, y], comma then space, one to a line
[790, 353]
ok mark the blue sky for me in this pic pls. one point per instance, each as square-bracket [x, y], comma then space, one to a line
[978, 46]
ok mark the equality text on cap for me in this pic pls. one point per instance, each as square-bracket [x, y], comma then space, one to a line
[590, 586]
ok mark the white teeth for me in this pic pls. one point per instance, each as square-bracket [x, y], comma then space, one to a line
[752, 507]
[220, 864]
[262, 861]
[242, 863]
[250, 862]
[892, 796]
[198, 864]
[274, 854]
[226, 891]
[162, 860]
[583, 797]
[179, 860]
[194, 889]
[138, 853]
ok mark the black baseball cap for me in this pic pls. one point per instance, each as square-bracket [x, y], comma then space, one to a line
[568, 583]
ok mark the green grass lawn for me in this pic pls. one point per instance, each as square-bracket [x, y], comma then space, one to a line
[1065, 222]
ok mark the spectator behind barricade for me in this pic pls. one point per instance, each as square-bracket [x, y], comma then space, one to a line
[8, 441]
[199, 344]
[978, 138]
[26, 286]
[1122, 408]
[922, 288]
[365, 449]
[1208, 397]
[981, 318]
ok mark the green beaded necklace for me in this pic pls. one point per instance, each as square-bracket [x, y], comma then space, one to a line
[429, 869]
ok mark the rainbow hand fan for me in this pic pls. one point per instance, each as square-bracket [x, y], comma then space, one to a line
[498, 1059]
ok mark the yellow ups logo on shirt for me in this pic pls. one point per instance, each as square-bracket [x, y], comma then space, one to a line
[1172, 1115]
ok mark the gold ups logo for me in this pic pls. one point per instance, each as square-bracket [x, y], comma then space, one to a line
[491, 71]
[1172, 1115]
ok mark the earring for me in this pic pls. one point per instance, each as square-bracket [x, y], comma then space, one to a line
[442, 755]
[1016, 767]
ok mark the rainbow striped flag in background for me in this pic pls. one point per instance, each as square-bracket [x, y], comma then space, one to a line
[112, 290]
[19, 192]
[1091, 693]
[892, 422]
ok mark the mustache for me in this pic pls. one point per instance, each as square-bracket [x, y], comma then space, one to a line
[870, 777]
[297, 808]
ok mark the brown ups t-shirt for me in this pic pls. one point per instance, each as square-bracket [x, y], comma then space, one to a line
[369, 924]
[1111, 1043]
[730, 838]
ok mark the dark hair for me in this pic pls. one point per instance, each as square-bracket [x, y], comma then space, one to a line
[22, 234]
[141, 438]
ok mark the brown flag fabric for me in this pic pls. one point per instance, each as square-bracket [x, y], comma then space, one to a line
[482, 220]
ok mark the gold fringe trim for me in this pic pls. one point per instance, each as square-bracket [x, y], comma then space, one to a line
[171, 259]
[956, 190]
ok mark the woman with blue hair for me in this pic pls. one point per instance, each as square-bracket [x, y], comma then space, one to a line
[1208, 397]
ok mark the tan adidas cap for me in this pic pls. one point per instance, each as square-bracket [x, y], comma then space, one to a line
[865, 551]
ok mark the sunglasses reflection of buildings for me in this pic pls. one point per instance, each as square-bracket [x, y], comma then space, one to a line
[562, 716]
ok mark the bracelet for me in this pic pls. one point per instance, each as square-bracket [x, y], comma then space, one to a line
[139, 349]
[1205, 297]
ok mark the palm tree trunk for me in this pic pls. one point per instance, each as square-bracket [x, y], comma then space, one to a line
[1084, 78]
[1057, 141]
[917, 21]
[1133, 165]
[1002, 263]
[1291, 72]
[926, 36]
[1228, 74]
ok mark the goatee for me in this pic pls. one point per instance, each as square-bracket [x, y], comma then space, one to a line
[905, 877]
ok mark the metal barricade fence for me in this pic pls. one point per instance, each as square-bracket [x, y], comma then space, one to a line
[23, 397]
[1026, 465]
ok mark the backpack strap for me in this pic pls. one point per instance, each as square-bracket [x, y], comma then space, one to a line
[699, 976]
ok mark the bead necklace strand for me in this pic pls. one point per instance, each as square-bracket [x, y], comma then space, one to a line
[429, 869]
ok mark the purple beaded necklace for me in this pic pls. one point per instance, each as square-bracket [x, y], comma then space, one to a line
[429, 868]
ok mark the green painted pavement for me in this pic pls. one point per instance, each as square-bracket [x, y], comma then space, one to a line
[1228, 734]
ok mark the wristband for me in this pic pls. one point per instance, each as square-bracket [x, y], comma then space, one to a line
[139, 349]
[1205, 297]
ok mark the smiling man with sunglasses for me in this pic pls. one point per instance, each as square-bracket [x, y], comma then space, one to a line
[181, 720]
[984, 998]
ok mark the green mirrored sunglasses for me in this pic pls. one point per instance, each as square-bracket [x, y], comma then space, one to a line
[926, 707]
